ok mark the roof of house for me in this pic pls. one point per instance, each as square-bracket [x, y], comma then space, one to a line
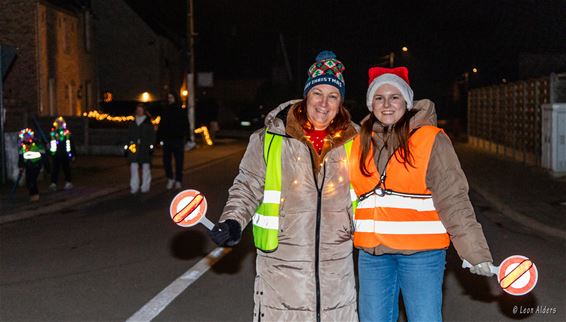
[161, 20]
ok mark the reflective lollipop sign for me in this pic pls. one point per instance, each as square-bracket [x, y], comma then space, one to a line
[517, 275]
[188, 208]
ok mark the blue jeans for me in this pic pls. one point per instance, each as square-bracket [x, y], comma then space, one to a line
[418, 276]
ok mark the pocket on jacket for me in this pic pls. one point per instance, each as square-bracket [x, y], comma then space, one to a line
[284, 285]
[296, 228]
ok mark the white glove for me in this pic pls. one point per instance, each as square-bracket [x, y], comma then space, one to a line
[483, 269]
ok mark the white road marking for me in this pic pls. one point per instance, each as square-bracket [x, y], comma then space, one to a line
[157, 304]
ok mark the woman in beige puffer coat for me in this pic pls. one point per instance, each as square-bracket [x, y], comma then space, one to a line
[310, 275]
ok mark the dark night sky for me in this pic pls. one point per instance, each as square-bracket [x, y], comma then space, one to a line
[240, 39]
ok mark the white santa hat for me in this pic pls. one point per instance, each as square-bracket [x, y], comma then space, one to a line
[398, 77]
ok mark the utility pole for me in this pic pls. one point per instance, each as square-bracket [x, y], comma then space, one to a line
[391, 59]
[191, 75]
[388, 59]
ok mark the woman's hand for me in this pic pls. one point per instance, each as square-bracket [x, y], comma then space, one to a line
[483, 269]
[227, 233]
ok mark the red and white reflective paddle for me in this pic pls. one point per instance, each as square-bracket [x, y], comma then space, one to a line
[517, 275]
[188, 208]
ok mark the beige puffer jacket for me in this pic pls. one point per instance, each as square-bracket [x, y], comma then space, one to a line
[310, 276]
[448, 184]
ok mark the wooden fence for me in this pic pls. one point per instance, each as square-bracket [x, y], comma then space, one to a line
[506, 119]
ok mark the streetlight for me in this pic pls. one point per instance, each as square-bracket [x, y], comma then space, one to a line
[145, 97]
[185, 100]
[475, 70]
[405, 49]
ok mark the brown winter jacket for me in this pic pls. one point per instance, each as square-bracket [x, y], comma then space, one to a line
[449, 187]
[312, 269]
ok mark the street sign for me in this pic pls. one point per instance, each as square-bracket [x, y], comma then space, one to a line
[188, 208]
[517, 275]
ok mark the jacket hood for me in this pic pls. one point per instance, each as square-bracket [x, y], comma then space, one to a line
[276, 120]
[425, 115]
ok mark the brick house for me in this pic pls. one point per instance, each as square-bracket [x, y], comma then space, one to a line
[54, 72]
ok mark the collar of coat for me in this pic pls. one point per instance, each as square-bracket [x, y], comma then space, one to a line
[282, 121]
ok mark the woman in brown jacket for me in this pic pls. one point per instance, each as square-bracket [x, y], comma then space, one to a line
[293, 184]
[413, 200]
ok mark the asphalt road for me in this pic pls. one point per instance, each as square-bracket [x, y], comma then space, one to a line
[105, 260]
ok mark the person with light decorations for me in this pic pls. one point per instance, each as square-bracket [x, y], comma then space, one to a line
[293, 185]
[31, 156]
[62, 150]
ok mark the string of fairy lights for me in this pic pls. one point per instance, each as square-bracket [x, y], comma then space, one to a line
[99, 116]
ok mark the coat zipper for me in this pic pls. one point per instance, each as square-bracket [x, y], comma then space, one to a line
[317, 235]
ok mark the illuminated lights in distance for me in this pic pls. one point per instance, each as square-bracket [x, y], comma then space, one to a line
[206, 135]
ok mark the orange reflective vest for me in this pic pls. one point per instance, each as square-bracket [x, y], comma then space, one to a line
[395, 208]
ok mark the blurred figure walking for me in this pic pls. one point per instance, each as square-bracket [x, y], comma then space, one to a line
[171, 134]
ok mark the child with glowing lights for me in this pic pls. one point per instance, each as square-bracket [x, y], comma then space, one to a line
[62, 151]
[31, 155]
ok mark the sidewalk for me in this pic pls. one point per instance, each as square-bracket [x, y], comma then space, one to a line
[524, 193]
[99, 176]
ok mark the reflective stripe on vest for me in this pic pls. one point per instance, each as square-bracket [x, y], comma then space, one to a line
[53, 146]
[403, 215]
[57, 139]
[266, 218]
[32, 155]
